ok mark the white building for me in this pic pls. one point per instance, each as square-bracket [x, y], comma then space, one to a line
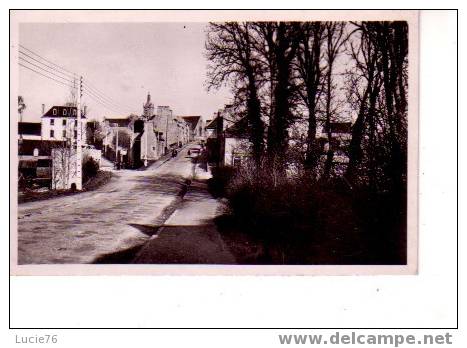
[60, 123]
[151, 134]
[341, 134]
[227, 138]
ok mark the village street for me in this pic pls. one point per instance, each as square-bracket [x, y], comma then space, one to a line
[118, 216]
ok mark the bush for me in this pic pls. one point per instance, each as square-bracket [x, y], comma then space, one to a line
[269, 201]
[221, 178]
[90, 168]
[297, 220]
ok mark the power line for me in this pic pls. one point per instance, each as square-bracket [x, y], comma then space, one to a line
[107, 99]
[104, 104]
[104, 96]
[51, 78]
[90, 90]
[37, 66]
[48, 66]
[90, 93]
[58, 66]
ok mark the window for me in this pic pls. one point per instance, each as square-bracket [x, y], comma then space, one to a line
[76, 123]
[51, 133]
[75, 134]
[74, 112]
[64, 112]
[52, 121]
[54, 111]
[64, 122]
[64, 134]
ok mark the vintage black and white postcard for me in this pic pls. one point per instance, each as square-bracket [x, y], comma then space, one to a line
[214, 142]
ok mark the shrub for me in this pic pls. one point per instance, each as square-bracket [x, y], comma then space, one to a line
[221, 178]
[269, 201]
[90, 168]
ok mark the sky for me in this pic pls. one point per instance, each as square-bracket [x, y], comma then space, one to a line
[125, 61]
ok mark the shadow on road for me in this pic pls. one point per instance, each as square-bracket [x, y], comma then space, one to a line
[119, 257]
[198, 244]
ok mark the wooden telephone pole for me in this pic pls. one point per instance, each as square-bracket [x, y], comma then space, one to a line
[79, 149]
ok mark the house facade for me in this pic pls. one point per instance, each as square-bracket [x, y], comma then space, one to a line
[196, 126]
[40, 143]
[340, 135]
[151, 134]
[60, 123]
[227, 138]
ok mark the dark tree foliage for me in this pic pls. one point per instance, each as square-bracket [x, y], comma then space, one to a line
[90, 168]
[378, 150]
[288, 76]
[229, 47]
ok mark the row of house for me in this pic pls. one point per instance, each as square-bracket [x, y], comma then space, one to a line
[228, 145]
[134, 140]
[149, 136]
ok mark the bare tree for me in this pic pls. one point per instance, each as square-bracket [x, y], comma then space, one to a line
[379, 87]
[94, 133]
[278, 45]
[363, 86]
[335, 40]
[124, 140]
[229, 48]
[309, 69]
[392, 41]
[21, 107]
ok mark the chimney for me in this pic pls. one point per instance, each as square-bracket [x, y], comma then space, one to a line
[43, 109]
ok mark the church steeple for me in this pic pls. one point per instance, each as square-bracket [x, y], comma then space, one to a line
[148, 107]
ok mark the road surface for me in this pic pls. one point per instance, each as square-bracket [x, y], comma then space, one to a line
[118, 216]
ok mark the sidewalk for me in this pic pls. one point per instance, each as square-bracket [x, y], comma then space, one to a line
[189, 235]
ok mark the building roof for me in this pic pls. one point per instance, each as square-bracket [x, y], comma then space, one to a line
[44, 146]
[212, 124]
[192, 121]
[118, 117]
[238, 130]
[340, 127]
[70, 111]
[29, 128]
[121, 122]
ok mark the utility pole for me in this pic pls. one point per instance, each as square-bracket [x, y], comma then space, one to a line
[117, 159]
[146, 131]
[106, 129]
[79, 149]
[167, 133]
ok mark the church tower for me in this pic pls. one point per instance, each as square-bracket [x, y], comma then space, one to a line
[148, 107]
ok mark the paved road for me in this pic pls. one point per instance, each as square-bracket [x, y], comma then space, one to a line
[117, 216]
[189, 235]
